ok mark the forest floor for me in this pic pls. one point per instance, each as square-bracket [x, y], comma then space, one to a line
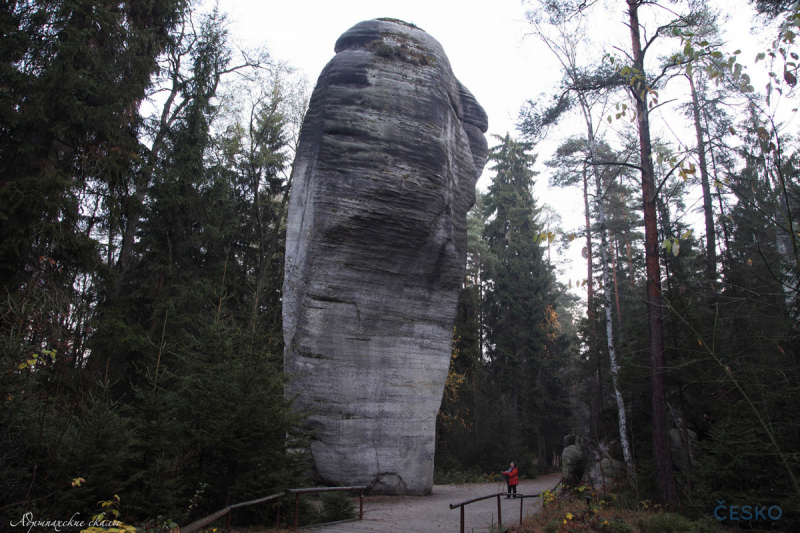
[432, 514]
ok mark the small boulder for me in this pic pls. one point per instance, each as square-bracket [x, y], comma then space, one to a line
[606, 471]
[573, 461]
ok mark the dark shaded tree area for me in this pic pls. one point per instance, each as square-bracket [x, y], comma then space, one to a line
[141, 262]
[73, 74]
[727, 285]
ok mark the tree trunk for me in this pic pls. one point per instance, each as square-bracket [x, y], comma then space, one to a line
[514, 417]
[594, 354]
[612, 354]
[655, 320]
[725, 234]
[616, 284]
[687, 456]
[708, 209]
[630, 261]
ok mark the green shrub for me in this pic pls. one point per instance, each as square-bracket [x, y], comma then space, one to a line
[381, 48]
[308, 512]
[337, 506]
[620, 527]
[624, 499]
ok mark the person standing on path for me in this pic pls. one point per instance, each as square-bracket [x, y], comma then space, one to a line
[512, 477]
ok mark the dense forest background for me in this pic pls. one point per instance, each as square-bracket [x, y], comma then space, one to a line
[144, 176]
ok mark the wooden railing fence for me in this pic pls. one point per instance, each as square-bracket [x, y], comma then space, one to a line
[498, 495]
[226, 512]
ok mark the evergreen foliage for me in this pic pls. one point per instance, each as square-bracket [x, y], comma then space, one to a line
[519, 317]
[73, 74]
[143, 339]
[728, 292]
[506, 389]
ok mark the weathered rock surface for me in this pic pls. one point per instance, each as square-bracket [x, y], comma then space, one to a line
[606, 472]
[676, 444]
[573, 460]
[385, 172]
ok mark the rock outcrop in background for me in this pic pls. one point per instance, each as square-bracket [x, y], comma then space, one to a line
[390, 150]
[584, 461]
[573, 460]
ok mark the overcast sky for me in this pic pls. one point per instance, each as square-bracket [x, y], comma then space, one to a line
[489, 48]
[485, 45]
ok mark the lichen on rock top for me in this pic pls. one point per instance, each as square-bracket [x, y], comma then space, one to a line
[390, 150]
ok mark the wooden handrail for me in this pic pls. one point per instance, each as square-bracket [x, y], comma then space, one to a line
[499, 509]
[324, 489]
[459, 504]
[260, 500]
[196, 525]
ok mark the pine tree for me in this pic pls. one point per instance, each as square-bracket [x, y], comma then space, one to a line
[572, 172]
[574, 158]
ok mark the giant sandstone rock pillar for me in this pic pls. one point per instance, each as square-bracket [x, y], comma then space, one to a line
[389, 153]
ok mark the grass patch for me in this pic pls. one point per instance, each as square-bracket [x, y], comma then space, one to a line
[402, 51]
[403, 22]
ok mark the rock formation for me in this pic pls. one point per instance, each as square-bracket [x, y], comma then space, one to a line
[389, 153]
[573, 460]
[584, 461]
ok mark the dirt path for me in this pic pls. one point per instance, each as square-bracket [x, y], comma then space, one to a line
[432, 514]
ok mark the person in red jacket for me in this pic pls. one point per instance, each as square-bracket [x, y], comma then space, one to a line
[512, 477]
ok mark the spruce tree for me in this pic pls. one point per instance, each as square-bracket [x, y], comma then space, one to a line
[191, 337]
[519, 285]
[73, 74]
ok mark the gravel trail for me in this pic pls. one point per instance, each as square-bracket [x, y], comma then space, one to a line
[432, 514]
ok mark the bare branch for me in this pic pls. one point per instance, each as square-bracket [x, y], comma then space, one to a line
[673, 169]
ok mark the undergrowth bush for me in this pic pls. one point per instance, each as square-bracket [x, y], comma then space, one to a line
[461, 477]
[337, 506]
[568, 512]
[616, 526]
[330, 507]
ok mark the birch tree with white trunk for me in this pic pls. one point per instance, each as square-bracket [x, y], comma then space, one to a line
[585, 88]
